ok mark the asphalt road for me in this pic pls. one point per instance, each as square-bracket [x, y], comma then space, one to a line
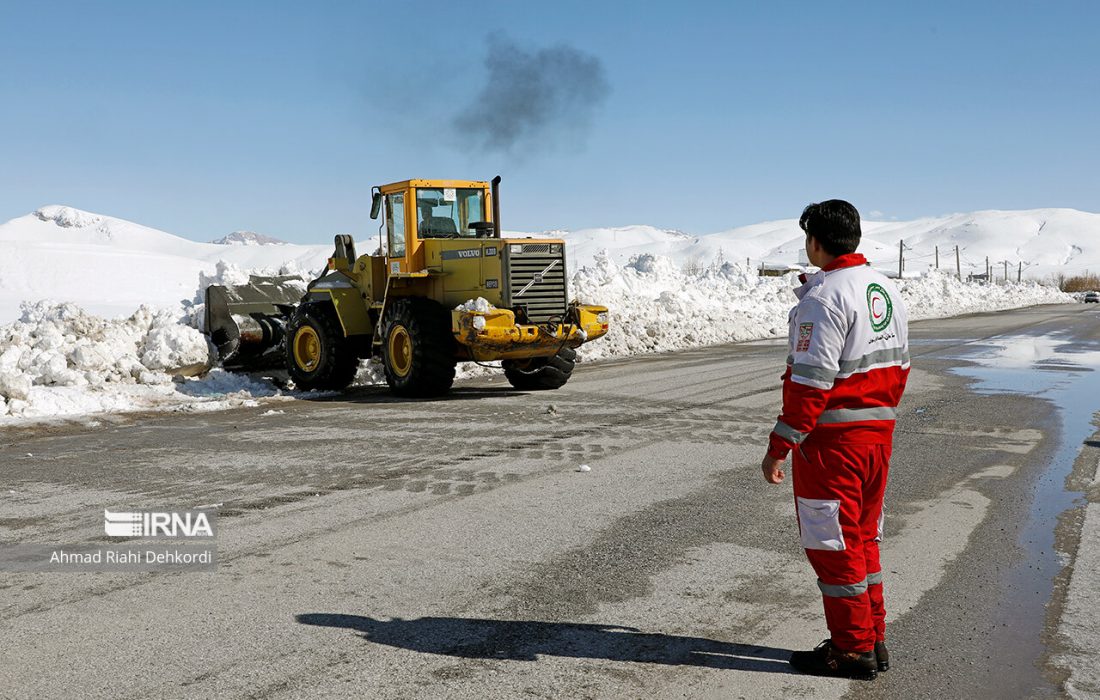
[374, 547]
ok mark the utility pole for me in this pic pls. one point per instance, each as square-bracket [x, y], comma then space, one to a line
[1020, 272]
[1006, 270]
[901, 258]
[937, 257]
[958, 265]
[987, 273]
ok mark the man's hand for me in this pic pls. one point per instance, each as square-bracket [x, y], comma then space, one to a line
[771, 468]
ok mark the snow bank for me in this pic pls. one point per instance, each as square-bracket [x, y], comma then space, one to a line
[939, 295]
[656, 307]
[58, 360]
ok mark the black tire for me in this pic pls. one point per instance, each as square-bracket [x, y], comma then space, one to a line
[541, 373]
[418, 347]
[331, 365]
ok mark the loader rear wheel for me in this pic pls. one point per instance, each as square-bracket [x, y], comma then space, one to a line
[318, 356]
[418, 348]
[540, 373]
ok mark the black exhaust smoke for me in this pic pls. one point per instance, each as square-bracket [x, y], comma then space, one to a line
[532, 99]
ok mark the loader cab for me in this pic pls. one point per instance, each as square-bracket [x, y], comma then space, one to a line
[447, 212]
[420, 210]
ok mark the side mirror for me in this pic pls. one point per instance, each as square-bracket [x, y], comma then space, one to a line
[375, 205]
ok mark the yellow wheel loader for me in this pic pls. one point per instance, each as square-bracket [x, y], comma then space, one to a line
[408, 304]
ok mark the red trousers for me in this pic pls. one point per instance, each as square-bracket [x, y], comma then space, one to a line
[838, 493]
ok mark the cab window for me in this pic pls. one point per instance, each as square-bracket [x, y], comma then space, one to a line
[448, 212]
[395, 224]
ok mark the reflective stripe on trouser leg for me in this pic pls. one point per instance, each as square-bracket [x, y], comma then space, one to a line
[843, 590]
[878, 605]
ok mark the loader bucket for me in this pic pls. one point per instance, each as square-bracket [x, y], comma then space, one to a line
[246, 322]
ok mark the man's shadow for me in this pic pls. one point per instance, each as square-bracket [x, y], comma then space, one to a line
[523, 640]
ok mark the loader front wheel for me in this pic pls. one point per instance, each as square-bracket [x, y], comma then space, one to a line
[318, 356]
[418, 348]
[541, 373]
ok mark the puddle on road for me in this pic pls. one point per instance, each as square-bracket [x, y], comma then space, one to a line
[1063, 371]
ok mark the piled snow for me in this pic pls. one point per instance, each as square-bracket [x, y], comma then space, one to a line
[228, 274]
[939, 295]
[666, 290]
[480, 305]
[59, 360]
[657, 307]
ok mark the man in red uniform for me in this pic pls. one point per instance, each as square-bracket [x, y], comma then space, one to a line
[847, 368]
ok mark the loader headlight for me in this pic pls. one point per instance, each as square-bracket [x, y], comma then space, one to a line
[601, 317]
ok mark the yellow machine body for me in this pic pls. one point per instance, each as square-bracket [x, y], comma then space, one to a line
[432, 254]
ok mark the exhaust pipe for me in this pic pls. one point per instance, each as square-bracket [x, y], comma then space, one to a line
[496, 205]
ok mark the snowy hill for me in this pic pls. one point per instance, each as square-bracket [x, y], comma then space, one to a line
[111, 266]
[1043, 240]
[248, 238]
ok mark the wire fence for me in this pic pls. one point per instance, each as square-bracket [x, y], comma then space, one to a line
[906, 262]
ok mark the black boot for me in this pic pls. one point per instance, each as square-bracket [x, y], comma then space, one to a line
[882, 654]
[827, 660]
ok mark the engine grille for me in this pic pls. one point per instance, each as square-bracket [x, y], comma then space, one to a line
[529, 248]
[536, 279]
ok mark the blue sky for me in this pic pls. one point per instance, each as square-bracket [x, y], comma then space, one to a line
[202, 118]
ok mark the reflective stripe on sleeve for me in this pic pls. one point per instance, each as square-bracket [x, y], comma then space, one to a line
[788, 433]
[878, 357]
[874, 579]
[844, 590]
[822, 374]
[815, 383]
[854, 415]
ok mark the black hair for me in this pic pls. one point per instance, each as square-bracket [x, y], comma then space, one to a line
[834, 224]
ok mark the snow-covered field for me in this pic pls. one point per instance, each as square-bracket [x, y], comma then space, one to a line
[1040, 241]
[110, 266]
[107, 308]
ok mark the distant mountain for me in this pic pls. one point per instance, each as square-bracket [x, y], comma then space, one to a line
[248, 238]
[111, 266]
